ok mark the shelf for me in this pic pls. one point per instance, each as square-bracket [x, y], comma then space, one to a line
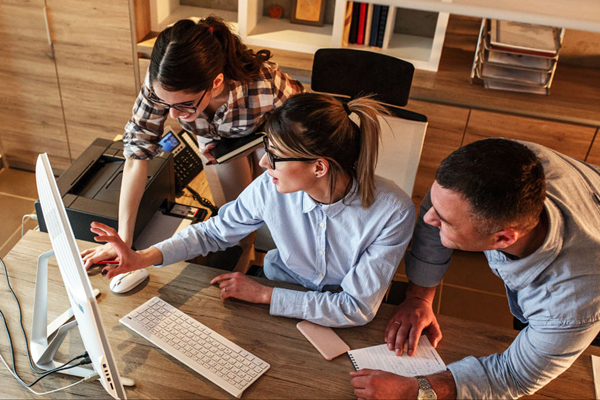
[182, 12]
[573, 14]
[281, 34]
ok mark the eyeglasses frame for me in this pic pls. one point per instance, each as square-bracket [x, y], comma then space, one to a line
[184, 109]
[273, 158]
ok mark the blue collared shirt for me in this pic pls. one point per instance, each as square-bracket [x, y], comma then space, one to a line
[345, 254]
[556, 289]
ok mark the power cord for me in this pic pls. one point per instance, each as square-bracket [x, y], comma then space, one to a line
[214, 210]
[25, 217]
[85, 358]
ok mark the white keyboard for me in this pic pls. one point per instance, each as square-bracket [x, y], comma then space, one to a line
[197, 346]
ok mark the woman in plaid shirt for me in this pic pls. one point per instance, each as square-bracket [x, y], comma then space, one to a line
[202, 75]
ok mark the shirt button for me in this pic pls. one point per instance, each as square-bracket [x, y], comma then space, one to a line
[321, 252]
[320, 275]
[322, 224]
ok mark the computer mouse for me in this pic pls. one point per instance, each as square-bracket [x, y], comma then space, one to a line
[125, 282]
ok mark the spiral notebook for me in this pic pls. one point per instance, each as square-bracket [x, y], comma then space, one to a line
[426, 360]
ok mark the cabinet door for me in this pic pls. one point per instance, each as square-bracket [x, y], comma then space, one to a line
[94, 60]
[572, 140]
[444, 135]
[32, 118]
[594, 155]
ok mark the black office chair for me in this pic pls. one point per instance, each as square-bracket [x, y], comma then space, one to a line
[350, 72]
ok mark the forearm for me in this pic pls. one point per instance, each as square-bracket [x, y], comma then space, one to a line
[151, 256]
[443, 385]
[132, 190]
[415, 291]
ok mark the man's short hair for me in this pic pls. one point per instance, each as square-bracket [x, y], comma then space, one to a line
[503, 181]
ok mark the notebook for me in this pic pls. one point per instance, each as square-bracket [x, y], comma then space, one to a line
[228, 148]
[426, 361]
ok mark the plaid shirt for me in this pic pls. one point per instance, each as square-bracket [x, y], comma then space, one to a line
[239, 116]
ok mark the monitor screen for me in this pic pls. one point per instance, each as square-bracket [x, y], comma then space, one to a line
[76, 281]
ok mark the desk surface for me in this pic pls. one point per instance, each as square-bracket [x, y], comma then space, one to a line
[297, 370]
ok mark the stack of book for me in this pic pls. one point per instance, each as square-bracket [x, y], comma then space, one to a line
[368, 24]
[517, 57]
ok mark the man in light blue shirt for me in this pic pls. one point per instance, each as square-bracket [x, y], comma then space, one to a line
[536, 215]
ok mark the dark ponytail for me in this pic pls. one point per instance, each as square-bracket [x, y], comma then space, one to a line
[188, 56]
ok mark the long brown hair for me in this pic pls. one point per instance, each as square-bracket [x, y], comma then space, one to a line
[313, 125]
[188, 56]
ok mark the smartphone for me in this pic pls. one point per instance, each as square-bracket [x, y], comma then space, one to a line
[325, 340]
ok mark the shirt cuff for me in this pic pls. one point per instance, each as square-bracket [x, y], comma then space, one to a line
[287, 303]
[172, 251]
[471, 379]
[423, 273]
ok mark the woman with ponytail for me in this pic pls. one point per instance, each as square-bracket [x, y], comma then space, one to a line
[340, 230]
[202, 75]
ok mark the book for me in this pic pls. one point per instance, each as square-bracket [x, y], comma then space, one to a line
[228, 148]
[527, 38]
[354, 24]
[368, 22]
[360, 37]
[389, 27]
[382, 24]
[375, 25]
[425, 361]
[347, 23]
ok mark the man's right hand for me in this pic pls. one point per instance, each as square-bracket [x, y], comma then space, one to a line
[411, 318]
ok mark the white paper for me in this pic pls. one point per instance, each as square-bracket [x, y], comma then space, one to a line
[596, 369]
[426, 360]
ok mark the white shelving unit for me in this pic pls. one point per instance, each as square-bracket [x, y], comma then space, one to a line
[259, 30]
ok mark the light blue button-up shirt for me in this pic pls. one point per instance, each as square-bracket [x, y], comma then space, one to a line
[556, 289]
[346, 254]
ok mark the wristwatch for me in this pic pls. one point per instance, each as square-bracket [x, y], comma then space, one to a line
[425, 390]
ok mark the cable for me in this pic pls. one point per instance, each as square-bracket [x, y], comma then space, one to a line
[50, 391]
[13, 371]
[214, 210]
[32, 216]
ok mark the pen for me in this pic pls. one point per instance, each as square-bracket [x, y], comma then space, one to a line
[108, 262]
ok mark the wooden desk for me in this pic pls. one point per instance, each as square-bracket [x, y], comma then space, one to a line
[297, 369]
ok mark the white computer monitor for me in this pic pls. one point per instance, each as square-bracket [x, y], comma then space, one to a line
[77, 285]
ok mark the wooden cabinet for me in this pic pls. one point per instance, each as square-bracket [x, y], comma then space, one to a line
[594, 155]
[58, 98]
[569, 139]
[444, 135]
[95, 67]
[32, 118]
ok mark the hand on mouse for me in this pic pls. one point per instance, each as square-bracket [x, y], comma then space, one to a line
[129, 260]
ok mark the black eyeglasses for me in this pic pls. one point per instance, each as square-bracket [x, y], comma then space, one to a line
[181, 107]
[274, 158]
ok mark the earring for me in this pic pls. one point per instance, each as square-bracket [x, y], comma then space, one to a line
[317, 175]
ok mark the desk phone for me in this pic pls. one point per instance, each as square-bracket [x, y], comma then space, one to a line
[186, 155]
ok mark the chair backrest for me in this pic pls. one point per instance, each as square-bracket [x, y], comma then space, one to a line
[352, 72]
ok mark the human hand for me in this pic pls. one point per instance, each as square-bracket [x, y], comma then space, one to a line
[101, 253]
[205, 151]
[239, 286]
[375, 384]
[129, 260]
[408, 322]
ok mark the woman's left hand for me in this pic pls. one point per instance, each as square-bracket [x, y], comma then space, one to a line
[239, 286]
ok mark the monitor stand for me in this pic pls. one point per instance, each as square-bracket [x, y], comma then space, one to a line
[42, 350]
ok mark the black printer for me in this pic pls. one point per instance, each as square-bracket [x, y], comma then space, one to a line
[90, 189]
